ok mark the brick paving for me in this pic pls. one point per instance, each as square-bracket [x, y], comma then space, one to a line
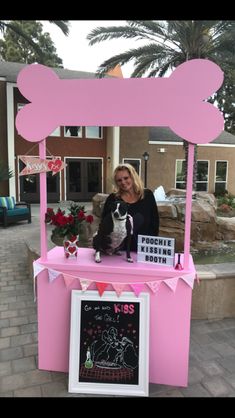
[212, 347]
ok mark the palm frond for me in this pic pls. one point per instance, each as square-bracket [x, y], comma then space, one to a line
[5, 172]
[169, 43]
[63, 25]
[101, 34]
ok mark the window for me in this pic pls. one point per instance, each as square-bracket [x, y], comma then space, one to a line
[221, 172]
[74, 131]
[202, 176]
[134, 162]
[56, 132]
[20, 106]
[180, 174]
[94, 132]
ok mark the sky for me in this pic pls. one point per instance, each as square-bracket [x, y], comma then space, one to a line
[75, 51]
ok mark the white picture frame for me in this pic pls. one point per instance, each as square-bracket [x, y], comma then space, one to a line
[109, 344]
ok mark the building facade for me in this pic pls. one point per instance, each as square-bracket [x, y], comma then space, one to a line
[86, 151]
[166, 163]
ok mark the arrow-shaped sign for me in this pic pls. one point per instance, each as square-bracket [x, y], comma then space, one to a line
[38, 165]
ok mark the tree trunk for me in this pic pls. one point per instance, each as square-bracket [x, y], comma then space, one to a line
[185, 145]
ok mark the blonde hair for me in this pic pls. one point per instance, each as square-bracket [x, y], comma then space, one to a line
[137, 182]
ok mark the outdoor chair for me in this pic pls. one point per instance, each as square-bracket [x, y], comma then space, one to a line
[12, 212]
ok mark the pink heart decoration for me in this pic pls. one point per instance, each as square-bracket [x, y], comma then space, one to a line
[55, 165]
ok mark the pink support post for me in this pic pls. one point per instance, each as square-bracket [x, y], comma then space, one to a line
[188, 206]
[43, 202]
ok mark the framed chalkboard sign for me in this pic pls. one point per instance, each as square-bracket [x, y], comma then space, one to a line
[109, 343]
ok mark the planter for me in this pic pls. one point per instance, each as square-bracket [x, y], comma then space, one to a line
[57, 240]
[83, 234]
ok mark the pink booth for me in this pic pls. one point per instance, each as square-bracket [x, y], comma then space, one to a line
[180, 105]
[170, 307]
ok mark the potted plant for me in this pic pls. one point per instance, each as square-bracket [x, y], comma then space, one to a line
[70, 225]
[5, 174]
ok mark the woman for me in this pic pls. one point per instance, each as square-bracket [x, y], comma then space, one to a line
[142, 204]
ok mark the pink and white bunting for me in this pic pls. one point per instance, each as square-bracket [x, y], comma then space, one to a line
[137, 288]
[101, 287]
[172, 283]
[189, 279]
[85, 283]
[68, 280]
[53, 274]
[154, 286]
[37, 268]
[119, 287]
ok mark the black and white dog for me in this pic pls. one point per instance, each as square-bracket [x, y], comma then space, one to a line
[112, 231]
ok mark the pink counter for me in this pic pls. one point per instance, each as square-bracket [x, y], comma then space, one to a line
[169, 311]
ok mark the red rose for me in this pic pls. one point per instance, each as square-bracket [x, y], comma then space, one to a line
[89, 219]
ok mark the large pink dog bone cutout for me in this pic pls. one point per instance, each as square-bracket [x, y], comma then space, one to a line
[177, 101]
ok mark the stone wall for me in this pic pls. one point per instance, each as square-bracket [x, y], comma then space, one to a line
[98, 202]
[205, 225]
[203, 218]
[214, 298]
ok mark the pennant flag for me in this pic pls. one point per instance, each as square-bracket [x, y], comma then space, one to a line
[137, 287]
[189, 279]
[101, 287]
[119, 287]
[68, 279]
[37, 268]
[172, 283]
[53, 274]
[85, 283]
[154, 286]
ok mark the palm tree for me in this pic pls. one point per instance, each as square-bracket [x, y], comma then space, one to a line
[169, 44]
[16, 28]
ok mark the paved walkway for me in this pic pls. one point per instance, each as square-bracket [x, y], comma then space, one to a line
[212, 354]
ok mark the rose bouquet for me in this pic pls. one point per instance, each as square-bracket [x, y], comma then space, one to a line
[68, 223]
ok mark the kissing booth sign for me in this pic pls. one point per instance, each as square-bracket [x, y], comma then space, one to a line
[178, 101]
